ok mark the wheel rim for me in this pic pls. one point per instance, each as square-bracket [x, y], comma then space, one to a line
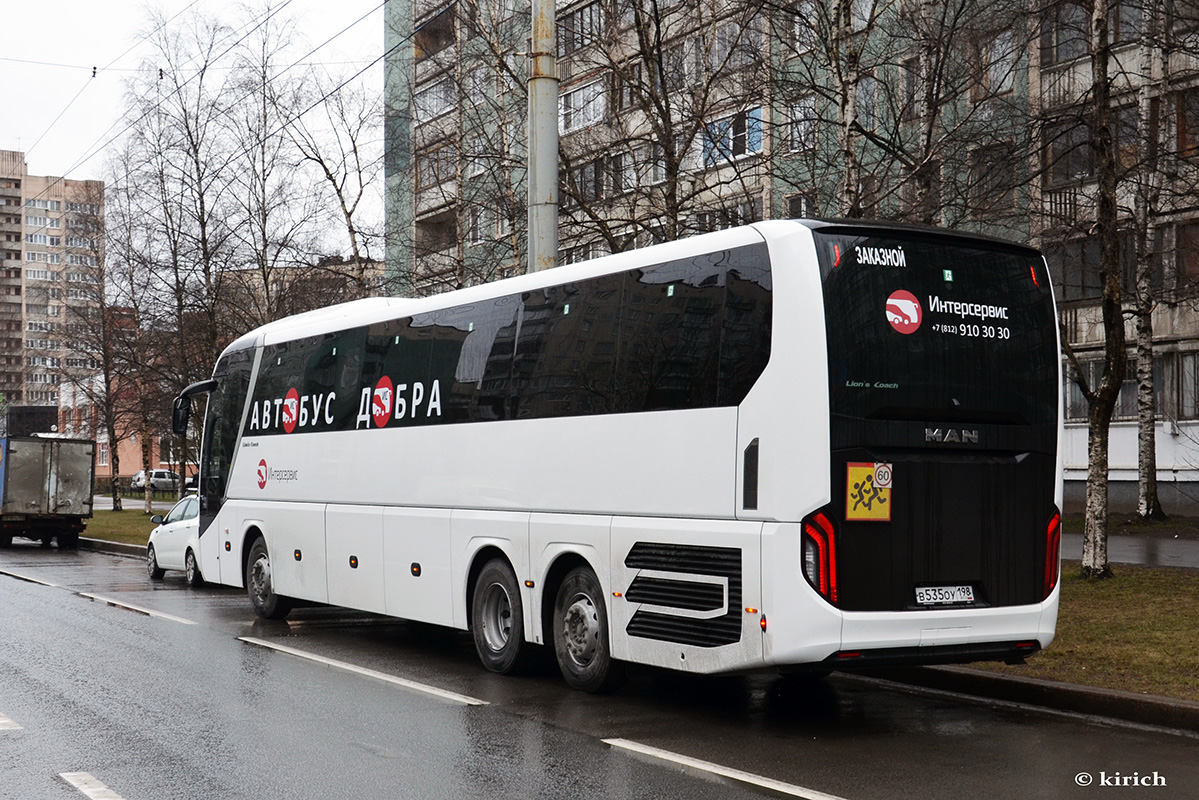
[151, 563]
[496, 617]
[191, 568]
[260, 579]
[580, 628]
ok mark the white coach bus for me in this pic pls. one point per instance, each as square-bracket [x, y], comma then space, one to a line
[793, 445]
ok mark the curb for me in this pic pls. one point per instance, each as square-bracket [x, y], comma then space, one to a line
[115, 548]
[1143, 709]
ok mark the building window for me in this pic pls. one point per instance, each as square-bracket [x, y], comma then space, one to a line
[1068, 153]
[992, 178]
[435, 167]
[476, 153]
[802, 136]
[581, 107]
[865, 102]
[1065, 29]
[101, 454]
[1126, 404]
[580, 28]
[909, 89]
[802, 205]
[805, 30]
[1124, 20]
[476, 225]
[434, 100]
[995, 68]
[732, 137]
[737, 46]
[1188, 123]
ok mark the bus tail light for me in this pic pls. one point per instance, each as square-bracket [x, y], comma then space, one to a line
[819, 553]
[1053, 552]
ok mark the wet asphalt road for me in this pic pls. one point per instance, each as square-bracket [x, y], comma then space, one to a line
[153, 707]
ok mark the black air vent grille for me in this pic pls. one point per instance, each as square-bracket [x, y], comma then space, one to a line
[681, 593]
[676, 594]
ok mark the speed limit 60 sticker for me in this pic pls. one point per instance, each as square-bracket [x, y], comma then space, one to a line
[868, 492]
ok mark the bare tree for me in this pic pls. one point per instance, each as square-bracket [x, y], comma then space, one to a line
[341, 137]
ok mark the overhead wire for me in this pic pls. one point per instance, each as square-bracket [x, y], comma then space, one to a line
[95, 148]
[94, 73]
[299, 62]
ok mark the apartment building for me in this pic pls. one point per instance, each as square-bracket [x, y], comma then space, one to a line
[50, 259]
[681, 116]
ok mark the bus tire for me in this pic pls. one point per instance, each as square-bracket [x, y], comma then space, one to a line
[580, 628]
[259, 586]
[191, 570]
[497, 619]
[155, 572]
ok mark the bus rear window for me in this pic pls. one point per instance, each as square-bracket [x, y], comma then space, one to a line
[922, 327]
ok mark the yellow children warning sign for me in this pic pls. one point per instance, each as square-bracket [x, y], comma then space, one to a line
[868, 492]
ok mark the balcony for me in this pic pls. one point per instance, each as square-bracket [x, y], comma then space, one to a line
[1062, 85]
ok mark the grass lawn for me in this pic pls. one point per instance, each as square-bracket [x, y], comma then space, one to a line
[1136, 632]
[131, 525]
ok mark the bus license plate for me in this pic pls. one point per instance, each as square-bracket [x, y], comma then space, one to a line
[944, 595]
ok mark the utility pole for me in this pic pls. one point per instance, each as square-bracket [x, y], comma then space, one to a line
[543, 139]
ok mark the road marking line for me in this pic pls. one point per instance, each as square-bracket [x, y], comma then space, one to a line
[86, 783]
[725, 772]
[370, 673]
[21, 577]
[132, 607]
[7, 724]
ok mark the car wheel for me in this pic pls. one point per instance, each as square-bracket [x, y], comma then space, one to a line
[192, 570]
[580, 628]
[497, 619]
[260, 587]
[156, 572]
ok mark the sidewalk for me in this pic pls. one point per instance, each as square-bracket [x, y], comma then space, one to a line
[1154, 550]
[103, 502]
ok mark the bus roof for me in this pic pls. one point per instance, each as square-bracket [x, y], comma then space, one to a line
[378, 309]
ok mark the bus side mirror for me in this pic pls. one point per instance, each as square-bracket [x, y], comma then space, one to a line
[180, 413]
[182, 407]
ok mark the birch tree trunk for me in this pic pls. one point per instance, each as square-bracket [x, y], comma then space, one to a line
[1094, 551]
[1147, 197]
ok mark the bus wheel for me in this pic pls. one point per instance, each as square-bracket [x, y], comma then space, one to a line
[191, 570]
[581, 634]
[267, 604]
[156, 572]
[497, 619]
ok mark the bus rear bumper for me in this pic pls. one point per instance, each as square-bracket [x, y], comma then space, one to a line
[1009, 652]
[945, 636]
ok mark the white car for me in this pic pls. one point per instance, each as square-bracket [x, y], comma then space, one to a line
[161, 480]
[175, 542]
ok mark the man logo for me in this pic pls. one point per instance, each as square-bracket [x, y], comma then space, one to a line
[263, 472]
[962, 436]
[903, 312]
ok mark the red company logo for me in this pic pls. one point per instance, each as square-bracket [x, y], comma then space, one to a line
[263, 472]
[381, 401]
[903, 311]
[291, 410]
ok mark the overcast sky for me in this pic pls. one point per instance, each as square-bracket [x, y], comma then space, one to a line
[59, 115]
